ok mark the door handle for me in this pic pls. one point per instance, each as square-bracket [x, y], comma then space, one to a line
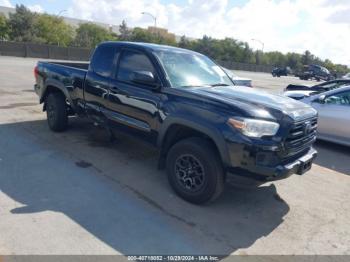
[117, 90]
[96, 85]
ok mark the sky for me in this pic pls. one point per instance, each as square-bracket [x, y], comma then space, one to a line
[321, 26]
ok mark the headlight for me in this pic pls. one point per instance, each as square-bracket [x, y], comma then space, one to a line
[254, 127]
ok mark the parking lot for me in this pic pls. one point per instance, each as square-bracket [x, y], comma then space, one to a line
[76, 193]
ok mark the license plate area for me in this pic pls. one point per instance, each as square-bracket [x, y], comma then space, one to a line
[304, 167]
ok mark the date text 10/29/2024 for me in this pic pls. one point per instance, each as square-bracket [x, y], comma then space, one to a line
[204, 258]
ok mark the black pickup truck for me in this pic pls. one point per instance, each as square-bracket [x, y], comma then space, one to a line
[184, 104]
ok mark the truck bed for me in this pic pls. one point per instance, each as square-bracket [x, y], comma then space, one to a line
[67, 76]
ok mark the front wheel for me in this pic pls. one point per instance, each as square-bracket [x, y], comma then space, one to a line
[56, 111]
[195, 171]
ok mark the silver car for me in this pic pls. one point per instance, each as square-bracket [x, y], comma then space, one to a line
[334, 114]
[347, 76]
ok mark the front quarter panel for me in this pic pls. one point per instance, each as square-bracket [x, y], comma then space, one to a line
[208, 117]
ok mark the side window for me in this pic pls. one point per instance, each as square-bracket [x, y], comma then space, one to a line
[132, 61]
[103, 60]
[339, 99]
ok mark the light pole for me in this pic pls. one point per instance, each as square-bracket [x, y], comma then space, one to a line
[154, 18]
[261, 42]
[58, 16]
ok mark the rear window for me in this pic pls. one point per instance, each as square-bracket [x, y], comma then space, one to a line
[103, 60]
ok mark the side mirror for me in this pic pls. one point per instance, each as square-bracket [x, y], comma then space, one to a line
[145, 78]
[321, 99]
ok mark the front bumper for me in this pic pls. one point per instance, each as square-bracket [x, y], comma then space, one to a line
[271, 173]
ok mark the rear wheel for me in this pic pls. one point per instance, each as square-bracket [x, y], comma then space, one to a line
[56, 111]
[195, 171]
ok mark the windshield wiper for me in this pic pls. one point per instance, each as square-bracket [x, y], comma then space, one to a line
[219, 84]
[185, 86]
[211, 85]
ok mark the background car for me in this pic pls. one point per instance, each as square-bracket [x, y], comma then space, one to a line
[238, 81]
[301, 91]
[315, 72]
[333, 109]
[281, 71]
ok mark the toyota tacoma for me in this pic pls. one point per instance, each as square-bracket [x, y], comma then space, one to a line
[184, 104]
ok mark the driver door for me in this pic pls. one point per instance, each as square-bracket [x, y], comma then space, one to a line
[134, 106]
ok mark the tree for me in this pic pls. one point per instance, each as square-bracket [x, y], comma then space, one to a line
[4, 28]
[247, 54]
[205, 46]
[26, 26]
[307, 58]
[184, 42]
[142, 35]
[21, 24]
[275, 58]
[294, 61]
[124, 32]
[329, 65]
[53, 30]
[90, 35]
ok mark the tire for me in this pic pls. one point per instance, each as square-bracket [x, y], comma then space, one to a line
[56, 111]
[195, 158]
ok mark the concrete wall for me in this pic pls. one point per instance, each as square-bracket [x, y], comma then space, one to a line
[44, 51]
[80, 54]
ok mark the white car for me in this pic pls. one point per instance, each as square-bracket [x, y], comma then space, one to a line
[238, 81]
[299, 94]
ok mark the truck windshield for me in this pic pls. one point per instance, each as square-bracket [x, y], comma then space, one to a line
[190, 69]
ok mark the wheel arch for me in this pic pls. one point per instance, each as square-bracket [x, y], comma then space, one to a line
[177, 129]
[52, 86]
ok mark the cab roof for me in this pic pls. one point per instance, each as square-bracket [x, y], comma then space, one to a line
[148, 46]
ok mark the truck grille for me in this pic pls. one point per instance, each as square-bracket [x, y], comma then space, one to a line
[301, 135]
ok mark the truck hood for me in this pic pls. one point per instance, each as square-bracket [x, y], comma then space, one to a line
[258, 100]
